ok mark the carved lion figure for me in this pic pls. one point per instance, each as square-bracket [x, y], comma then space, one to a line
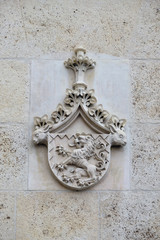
[85, 148]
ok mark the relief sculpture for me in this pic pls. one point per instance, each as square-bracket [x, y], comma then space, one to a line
[79, 160]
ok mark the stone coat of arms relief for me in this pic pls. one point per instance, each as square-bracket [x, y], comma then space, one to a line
[79, 160]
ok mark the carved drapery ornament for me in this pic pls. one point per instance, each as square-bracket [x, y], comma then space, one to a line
[80, 160]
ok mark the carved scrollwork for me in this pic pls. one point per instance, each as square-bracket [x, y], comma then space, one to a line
[80, 96]
[41, 121]
[114, 123]
[60, 114]
[80, 62]
[98, 114]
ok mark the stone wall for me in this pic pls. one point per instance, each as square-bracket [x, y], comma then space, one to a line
[123, 38]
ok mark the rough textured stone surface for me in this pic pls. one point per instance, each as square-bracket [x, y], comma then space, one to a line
[13, 157]
[145, 90]
[45, 27]
[14, 91]
[31, 28]
[7, 216]
[52, 215]
[13, 40]
[44, 33]
[130, 215]
[145, 156]
[145, 41]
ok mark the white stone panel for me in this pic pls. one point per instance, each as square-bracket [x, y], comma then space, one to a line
[49, 80]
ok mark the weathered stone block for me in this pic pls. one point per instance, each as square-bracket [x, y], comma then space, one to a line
[145, 90]
[145, 41]
[7, 216]
[119, 29]
[130, 215]
[13, 41]
[53, 215]
[14, 91]
[145, 156]
[13, 157]
[59, 26]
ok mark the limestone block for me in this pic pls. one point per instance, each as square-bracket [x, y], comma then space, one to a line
[145, 90]
[31, 28]
[57, 26]
[145, 41]
[130, 215]
[53, 215]
[145, 156]
[13, 157]
[7, 215]
[14, 91]
[50, 80]
[13, 41]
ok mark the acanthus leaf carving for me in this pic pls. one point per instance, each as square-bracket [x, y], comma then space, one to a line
[60, 114]
[80, 96]
[80, 62]
[40, 121]
[98, 114]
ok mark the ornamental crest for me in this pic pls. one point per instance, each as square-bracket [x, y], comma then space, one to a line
[79, 160]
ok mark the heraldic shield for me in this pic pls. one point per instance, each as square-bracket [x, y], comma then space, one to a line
[81, 159]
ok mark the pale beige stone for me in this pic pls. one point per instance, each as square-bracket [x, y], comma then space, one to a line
[145, 41]
[31, 28]
[14, 91]
[13, 40]
[145, 90]
[13, 157]
[7, 216]
[58, 26]
[50, 80]
[145, 139]
[53, 215]
[130, 215]
[40, 175]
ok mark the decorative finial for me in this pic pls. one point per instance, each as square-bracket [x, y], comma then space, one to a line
[79, 64]
[79, 51]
